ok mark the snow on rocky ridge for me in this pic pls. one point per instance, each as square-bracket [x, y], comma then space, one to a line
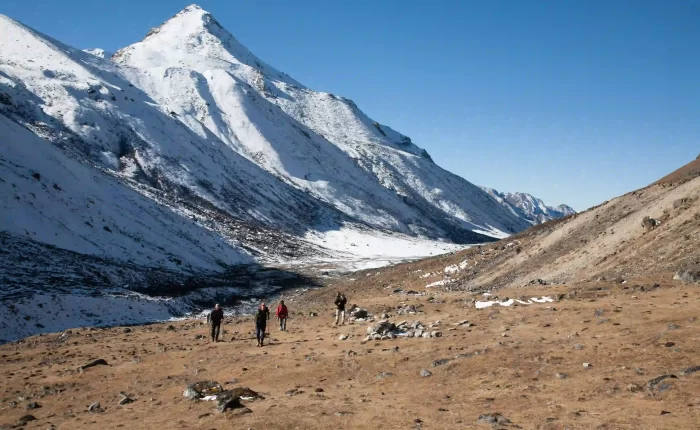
[185, 155]
[98, 52]
[528, 207]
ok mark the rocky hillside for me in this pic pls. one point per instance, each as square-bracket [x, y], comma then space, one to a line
[651, 231]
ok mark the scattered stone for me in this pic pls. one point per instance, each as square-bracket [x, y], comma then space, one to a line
[126, 400]
[343, 337]
[293, 392]
[690, 370]
[343, 414]
[425, 373]
[94, 408]
[170, 328]
[98, 362]
[673, 327]
[587, 365]
[654, 382]
[665, 413]
[23, 420]
[384, 375]
[634, 388]
[669, 344]
[32, 405]
[381, 327]
[440, 362]
[578, 347]
[495, 419]
[204, 416]
[318, 390]
[202, 389]
[562, 376]
[313, 314]
[127, 330]
[200, 337]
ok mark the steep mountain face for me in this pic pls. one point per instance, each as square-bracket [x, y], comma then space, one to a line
[316, 142]
[528, 207]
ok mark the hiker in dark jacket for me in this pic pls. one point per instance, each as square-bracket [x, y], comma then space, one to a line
[340, 303]
[261, 317]
[215, 318]
[282, 314]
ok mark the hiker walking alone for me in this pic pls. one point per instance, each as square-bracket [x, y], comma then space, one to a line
[340, 302]
[214, 318]
[282, 314]
[261, 317]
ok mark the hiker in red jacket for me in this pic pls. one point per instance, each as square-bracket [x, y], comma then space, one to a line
[282, 315]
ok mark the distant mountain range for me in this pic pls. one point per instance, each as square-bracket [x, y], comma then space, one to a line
[528, 207]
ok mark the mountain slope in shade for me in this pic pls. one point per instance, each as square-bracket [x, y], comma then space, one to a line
[316, 142]
[528, 207]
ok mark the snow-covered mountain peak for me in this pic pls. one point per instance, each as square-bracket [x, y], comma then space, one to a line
[194, 39]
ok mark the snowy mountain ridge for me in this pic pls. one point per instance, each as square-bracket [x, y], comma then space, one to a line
[528, 207]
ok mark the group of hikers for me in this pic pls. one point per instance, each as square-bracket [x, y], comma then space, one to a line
[262, 316]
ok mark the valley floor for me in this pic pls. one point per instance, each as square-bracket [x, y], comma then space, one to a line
[525, 362]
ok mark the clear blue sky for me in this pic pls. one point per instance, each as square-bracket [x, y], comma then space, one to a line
[573, 101]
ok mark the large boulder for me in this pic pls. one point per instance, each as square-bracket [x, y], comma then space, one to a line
[228, 400]
[360, 313]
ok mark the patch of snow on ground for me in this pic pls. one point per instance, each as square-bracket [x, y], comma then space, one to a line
[509, 302]
[437, 283]
[454, 268]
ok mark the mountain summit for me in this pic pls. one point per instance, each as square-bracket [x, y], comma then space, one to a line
[189, 38]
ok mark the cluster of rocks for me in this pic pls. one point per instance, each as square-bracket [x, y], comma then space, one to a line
[226, 399]
[384, 330]
[407, 310]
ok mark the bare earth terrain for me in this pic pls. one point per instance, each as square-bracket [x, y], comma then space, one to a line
[618, 347]
[525, 362]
